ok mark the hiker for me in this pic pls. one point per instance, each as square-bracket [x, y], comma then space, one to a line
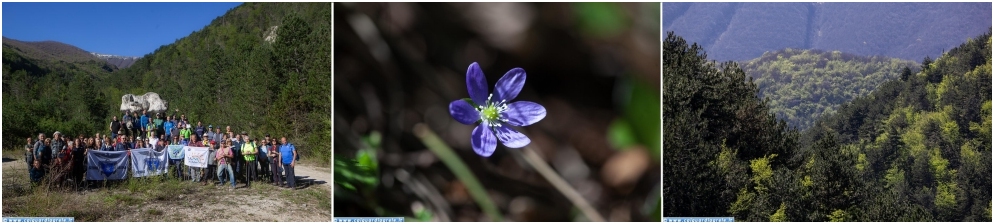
[39, 153]
[78, 155]
[126, 122]
[176, 163]
[167, 126]
[264, 160]
[223, 158]
[195, 172]
[287, 155]
[106, 144]
[149, 130]
[211, 153]
[158, 122]
[58, 145]
[210, 133]
[218, 135]
[115, 126]
[28, 156]
[199, 130]
[37, 172]
[143, 123]
[274, 165]
[238, 160]
[121, 145]
[229, 133]
[160, 146]
[249, 151]
[186, 132]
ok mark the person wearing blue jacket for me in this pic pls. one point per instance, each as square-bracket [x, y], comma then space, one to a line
[168, 127]
[288, 153]
[143, 122]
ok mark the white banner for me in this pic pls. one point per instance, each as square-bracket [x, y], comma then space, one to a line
[147, 162]
[196, 156]
[104, 165]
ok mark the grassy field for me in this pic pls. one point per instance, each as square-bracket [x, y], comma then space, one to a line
[159, 199]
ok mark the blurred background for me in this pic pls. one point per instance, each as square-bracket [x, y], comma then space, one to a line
[594, 66]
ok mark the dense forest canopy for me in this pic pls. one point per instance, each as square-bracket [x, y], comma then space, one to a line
[803, 85]
[264, 68]
[918, 148]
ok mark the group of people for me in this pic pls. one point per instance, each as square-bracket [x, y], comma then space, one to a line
[231, 156]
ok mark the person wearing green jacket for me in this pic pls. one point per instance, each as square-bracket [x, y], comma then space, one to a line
[185, 132]
[249, 151]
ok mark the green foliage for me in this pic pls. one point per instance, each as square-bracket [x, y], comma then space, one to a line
[912, 149]
[780, 215]
[761, 172]
[643, 106]
[620, 135]
[838, 216]
[708, 104]
[603, 19]
[803, 85]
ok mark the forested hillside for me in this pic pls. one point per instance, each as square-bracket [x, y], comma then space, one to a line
[918, 148]
[261, 68]
[50, 86]
[803, 85]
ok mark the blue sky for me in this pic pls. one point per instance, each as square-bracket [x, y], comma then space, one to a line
[126, 29]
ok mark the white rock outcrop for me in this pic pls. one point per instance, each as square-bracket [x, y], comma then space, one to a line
[149, 101]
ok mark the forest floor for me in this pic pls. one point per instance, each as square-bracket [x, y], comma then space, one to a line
[169, 200]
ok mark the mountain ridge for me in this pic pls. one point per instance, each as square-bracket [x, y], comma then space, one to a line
[909, 31]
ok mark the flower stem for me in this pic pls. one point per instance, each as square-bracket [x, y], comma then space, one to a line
[458, 168]
[536, 161]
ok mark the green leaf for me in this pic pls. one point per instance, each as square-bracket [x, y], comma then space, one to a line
[620, 135]
[643, 112]
[602, 19]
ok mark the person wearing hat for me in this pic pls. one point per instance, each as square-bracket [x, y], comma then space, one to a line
[159, 131]
[58, 145]
[210, 133]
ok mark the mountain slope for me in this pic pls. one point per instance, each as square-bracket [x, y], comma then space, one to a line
[803, 85]
[51, 87]
[924, 140]
[50, 50]
[228, 73]
[911, 31]
[118, 61]
[917, 148]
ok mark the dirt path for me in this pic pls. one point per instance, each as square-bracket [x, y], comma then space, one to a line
[197, 203]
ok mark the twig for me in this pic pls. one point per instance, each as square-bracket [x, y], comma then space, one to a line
[543, 168]
[458, 168]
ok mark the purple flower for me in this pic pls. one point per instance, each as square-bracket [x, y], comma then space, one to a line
[495, 113]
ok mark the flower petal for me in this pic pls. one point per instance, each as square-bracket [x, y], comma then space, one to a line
[476, 82]
[510, 137]
[483, 140]
[523, 113]
[509, 85]
[463, 112]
